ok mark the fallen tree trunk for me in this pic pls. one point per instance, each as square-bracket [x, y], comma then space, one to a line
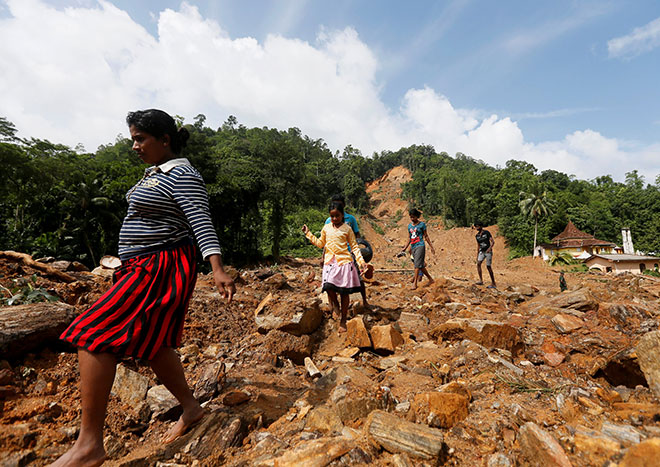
[28, 261]
[29, 328]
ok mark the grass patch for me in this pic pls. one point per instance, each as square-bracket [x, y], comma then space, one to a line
[523, 385]
[377, 228]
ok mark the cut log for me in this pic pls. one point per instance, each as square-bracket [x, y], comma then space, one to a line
[27, 328]
[28, 261]
[396, 435]
[110, 262]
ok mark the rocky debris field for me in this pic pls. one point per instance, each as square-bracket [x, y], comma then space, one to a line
[449, 374]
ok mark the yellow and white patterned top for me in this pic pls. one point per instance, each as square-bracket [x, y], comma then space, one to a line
[336, 241]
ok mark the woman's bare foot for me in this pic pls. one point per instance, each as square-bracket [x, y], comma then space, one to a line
[182, 425]
[335, 314]
[342, 327]
[81, 456]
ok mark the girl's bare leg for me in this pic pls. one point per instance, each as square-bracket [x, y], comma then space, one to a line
[344, 312]
[97, 373]
[334, 303]
[167, 366]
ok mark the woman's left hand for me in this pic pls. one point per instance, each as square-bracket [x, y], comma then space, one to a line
[225, 284]
[223, 281]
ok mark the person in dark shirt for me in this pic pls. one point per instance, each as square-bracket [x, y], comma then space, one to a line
[485, 242]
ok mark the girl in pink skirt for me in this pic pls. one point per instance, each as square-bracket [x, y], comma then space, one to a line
[340, 276]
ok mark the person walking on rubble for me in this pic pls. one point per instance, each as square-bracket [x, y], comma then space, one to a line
[353, 224]
[142, 314]
[340, 273]
[417, 233]
[485, 242]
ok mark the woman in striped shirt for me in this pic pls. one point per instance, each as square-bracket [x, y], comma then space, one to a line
[142, 314]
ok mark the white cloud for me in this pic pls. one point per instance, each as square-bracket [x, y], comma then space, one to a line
[641, 40]
[71, 75]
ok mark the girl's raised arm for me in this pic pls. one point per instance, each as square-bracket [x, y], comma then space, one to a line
[319, 242]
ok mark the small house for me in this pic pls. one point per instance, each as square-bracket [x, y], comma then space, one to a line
[578, 244]
[623, 263]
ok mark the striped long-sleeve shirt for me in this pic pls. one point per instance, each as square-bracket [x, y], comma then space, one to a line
[165, 207]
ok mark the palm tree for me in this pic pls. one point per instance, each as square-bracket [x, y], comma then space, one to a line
[536, 204]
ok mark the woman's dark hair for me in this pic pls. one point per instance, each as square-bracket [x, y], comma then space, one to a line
[338, 206]
[414, 212]
[340, 198]
[158, 124]
[478, 224]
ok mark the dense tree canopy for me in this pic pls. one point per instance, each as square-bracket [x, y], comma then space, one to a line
[265, 183]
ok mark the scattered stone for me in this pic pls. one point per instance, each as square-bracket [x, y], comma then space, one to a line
[276, 281]
[323, 419]
[540, 448]
[456, 387]
[499, 460]
[625, 434]
[287, 316]
[594, 448]
[487, 333]
[312, 370]
[415, 324]
[18, 459]
[648, 356]
[566, 323]
[580, 299]
[234, 398]
[283, 344]
[386, 338]
[162, 403]
[646, 453]
[400, 436]
[386, 363]
[131, 387]
[211, 382]
[357, 334]
[524, 289]
[349, 352]
[315, 453]
[440, 409]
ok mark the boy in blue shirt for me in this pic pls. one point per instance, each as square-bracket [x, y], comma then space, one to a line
[416, 236]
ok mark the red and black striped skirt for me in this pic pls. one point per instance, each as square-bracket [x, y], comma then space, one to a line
[145, 308]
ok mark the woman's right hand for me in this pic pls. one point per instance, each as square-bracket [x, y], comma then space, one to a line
[305, 229]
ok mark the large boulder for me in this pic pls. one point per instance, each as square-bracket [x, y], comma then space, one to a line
[485, 332]
[648, 356]
[295, 315]
[440, 409]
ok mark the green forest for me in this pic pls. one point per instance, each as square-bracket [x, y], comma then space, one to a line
[264, 183]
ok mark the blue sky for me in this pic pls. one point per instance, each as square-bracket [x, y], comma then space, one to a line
[568, 85]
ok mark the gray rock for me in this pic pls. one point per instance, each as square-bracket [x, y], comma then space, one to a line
[540, 448]
[415, 324]
[625, 434]
[648, 356]
[131, 387]
[162, 403]
[499, 460]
